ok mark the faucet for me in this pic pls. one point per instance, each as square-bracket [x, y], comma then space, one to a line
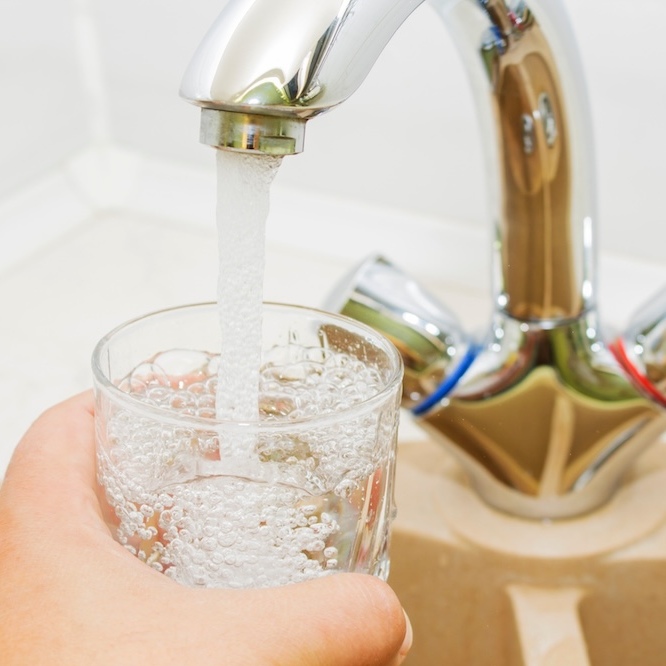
[540, 415]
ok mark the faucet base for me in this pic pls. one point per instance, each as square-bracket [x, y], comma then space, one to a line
[545, 422]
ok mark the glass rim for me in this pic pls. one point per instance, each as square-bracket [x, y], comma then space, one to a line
[106, 385]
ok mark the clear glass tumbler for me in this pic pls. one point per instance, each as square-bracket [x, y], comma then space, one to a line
[303, 490]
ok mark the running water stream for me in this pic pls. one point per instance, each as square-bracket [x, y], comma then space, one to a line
[243, 189]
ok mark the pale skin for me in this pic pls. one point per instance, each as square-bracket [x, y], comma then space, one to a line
[70, 595]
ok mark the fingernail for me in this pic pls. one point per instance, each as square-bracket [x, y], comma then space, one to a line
[409, 637]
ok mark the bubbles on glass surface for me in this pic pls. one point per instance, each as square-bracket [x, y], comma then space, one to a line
[294, 383]
[286, 510]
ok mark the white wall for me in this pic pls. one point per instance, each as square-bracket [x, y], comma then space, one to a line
[84, 72]
[43, 117]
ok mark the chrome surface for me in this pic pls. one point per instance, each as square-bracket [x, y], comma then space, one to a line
[428, 336]
[519, 418]
[270, 135]
[642, 348]
[292, 58]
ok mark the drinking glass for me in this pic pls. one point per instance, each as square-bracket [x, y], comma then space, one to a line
[305, 489]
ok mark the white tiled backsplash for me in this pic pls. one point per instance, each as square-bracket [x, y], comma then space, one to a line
[99, 155]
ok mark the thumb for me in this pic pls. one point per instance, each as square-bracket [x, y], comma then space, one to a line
[337, 620]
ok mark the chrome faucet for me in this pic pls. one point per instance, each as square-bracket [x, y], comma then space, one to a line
[541, 416]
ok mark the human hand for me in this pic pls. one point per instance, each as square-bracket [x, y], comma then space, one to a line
[69, 594]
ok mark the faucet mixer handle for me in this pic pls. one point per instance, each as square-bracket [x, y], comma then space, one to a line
[434, 347]
[641, 350]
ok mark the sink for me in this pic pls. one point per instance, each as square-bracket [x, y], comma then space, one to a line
[483, 588]
[623, 621]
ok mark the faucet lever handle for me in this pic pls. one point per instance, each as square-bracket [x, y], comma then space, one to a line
[429, 337]
[642, 348]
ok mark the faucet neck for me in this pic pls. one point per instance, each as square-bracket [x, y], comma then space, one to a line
[541, 274]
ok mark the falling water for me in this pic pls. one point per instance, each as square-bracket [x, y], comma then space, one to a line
[243, 188]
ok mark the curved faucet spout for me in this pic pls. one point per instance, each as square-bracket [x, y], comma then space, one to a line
[267, 66]
[290, 57]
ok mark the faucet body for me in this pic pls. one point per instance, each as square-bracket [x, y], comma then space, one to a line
[544, 420]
